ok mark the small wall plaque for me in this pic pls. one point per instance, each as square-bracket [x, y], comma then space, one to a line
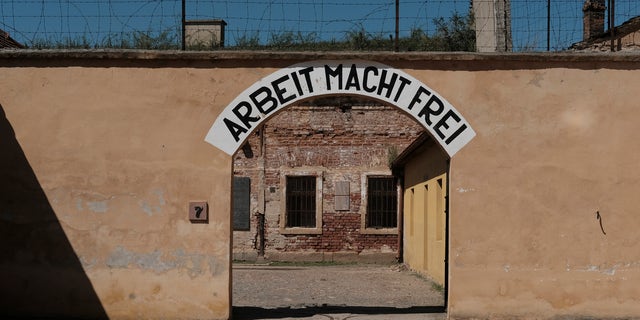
[198, 212]
[342, 197]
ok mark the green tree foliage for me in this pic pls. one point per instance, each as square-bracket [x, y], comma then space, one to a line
[455, 34]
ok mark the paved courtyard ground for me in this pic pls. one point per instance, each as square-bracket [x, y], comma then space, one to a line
[333, 292]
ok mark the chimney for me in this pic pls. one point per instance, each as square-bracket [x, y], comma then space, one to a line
[593, 20]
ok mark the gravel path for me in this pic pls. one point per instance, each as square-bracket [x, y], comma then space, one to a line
[364, 286]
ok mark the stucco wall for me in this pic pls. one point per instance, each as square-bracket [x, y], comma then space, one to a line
[118, 153]
[554, 147]
[110, 147]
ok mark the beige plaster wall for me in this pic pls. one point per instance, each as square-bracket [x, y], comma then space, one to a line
[554, 147]
[116, 145]
[119, 153]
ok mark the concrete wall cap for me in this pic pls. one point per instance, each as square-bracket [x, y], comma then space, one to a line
[72, 57]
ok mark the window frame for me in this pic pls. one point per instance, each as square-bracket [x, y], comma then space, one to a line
[318, 174]
[364, 229]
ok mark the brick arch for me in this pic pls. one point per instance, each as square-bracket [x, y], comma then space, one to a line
[306, 80]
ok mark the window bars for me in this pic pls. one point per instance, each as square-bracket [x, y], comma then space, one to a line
[301, 202]
[382, 202]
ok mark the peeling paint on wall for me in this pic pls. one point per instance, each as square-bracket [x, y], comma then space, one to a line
[97, 203]
[150, 209]
[604, 270]
[160, 262]
[87, 263]
[97, 206]
[537, 78]
[464, 190]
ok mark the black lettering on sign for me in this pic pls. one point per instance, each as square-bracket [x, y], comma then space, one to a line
[330, 73]
[443, 123]
[386, 85]
[235, 129]
[281, 91]
[352, 79]
[456, 134]
[302, 81]
[243, 112]
[365, 79]
[267, 99]
[427, 111]
[245, 116]
[416, 97]
[403, 82]
[296, 81]
[305, 72]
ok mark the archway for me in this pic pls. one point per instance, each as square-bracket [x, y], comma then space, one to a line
[318, 78]
[289, 86]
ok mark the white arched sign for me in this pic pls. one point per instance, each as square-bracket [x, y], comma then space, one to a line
[320, 78]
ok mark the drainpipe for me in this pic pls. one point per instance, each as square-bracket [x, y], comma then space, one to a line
[446, 237]
[260, 234]
[262, 205]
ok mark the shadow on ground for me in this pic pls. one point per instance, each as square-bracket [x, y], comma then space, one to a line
[255, 313]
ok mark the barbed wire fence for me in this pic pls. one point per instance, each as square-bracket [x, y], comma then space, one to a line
[536, 25]
[556, 25]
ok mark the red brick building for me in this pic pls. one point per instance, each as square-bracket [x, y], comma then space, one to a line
[625, 37]
[6, 42]
[319, 175]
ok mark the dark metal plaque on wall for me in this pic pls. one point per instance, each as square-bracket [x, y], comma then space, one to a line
[241, 203]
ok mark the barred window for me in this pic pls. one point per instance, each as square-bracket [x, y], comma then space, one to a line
[382, 202]
[301, 201]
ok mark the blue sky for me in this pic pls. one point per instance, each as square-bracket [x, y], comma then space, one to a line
[30, 20]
